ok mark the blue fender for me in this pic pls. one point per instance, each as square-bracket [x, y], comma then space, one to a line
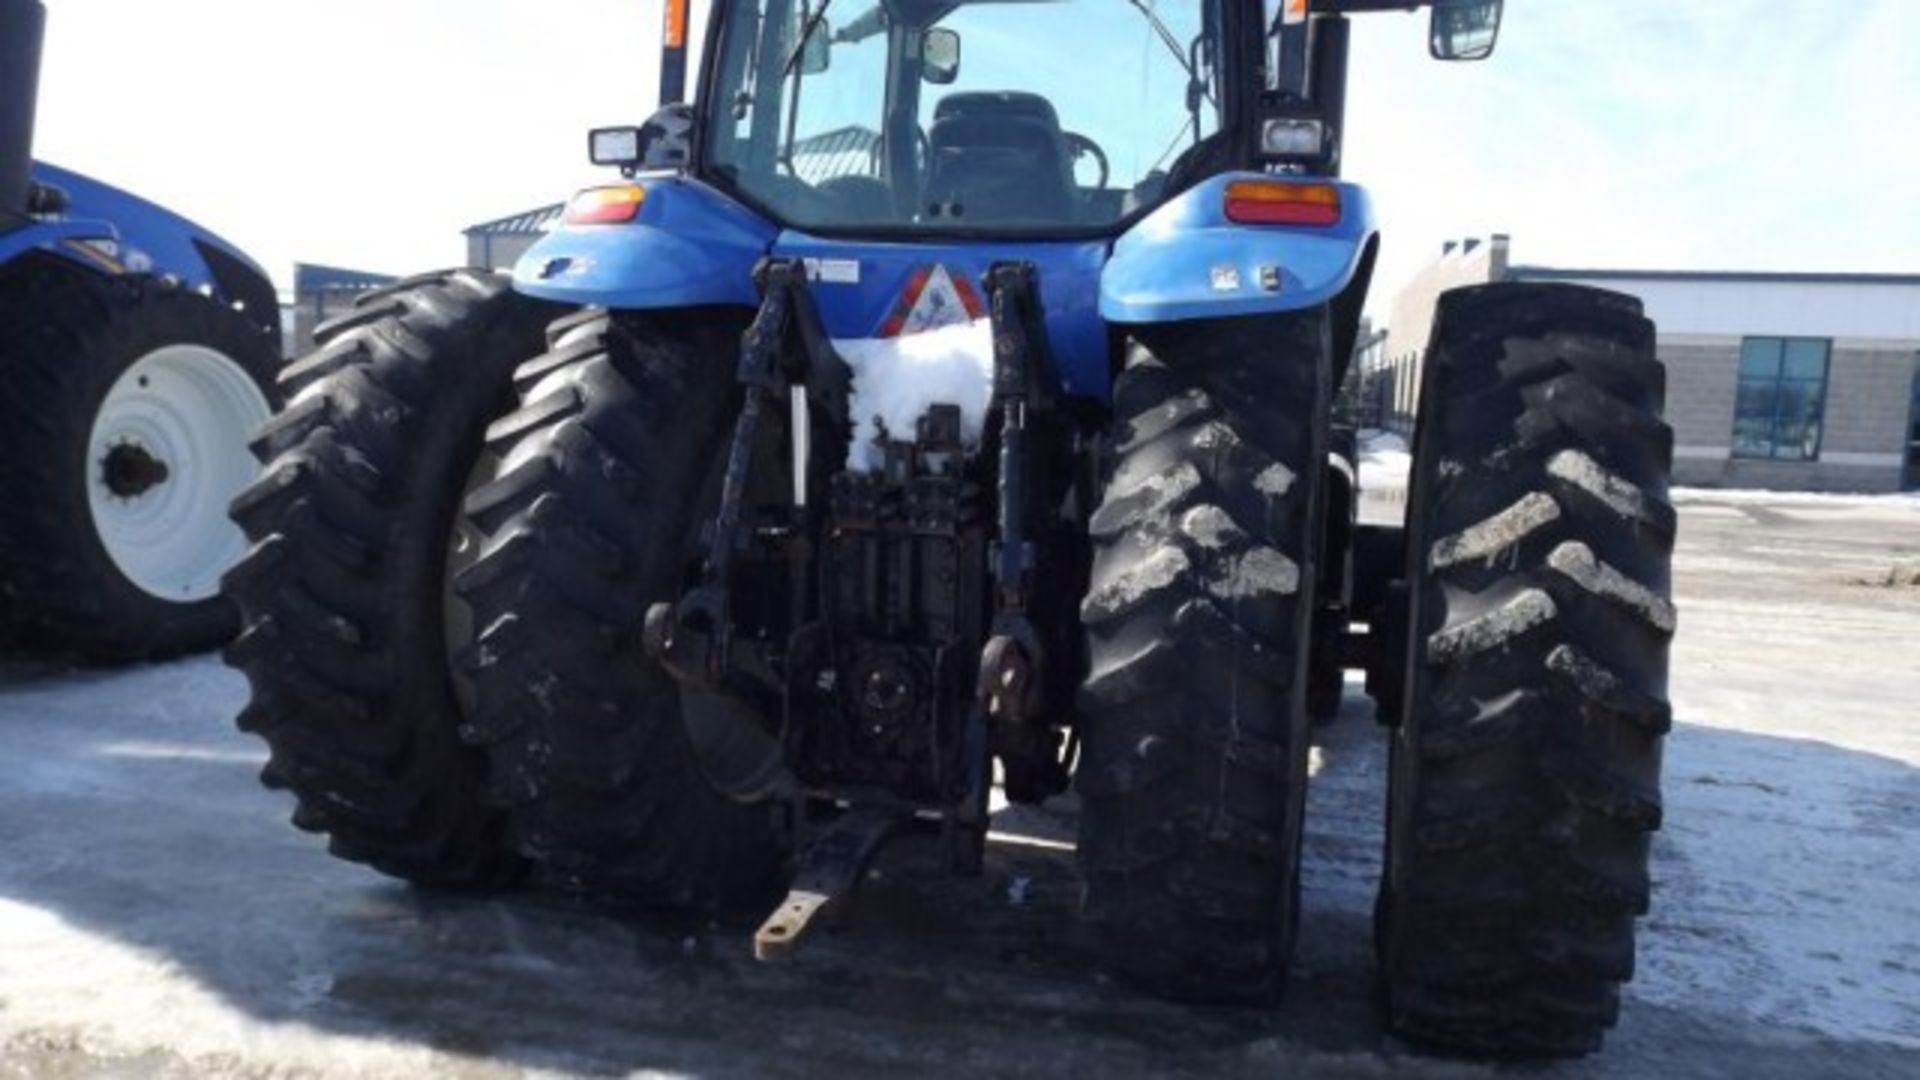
[115, 232]
[690, 245]
[1187, 261]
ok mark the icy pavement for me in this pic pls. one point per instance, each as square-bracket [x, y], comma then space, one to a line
[1385, 465]
[1805, 499]
[158, 917]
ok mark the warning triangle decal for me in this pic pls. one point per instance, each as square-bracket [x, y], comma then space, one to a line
[934, 297]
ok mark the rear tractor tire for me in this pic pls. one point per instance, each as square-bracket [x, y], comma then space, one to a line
[617, 782]
[1525, 773]
[344, 595]
[125, 408]
[1199, 619]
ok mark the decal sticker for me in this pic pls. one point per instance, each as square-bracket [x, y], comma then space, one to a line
[934, 297]
[833, 271]
[565, 266]
[103, 252]
[1226, 279]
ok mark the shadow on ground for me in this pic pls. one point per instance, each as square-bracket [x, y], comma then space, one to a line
[130, 815]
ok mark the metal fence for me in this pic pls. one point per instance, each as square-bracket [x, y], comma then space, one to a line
[1377, 392]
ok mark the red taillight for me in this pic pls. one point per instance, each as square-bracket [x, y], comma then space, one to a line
[1280, 202]
[614, 205]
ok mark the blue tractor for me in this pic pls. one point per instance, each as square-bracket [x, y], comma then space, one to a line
[935, 412]
[137, 356]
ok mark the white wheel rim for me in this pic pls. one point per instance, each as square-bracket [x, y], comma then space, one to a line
[191, 409]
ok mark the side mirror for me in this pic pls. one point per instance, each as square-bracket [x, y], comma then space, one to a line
[816, 54]
[1464, 29]
[940, 56]
[664, 142]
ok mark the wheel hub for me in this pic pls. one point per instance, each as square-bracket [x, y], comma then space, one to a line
[129, 471]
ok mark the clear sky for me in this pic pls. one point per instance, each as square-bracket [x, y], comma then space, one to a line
[1721, 134]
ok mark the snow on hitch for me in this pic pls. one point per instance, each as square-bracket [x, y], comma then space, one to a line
[897, 379]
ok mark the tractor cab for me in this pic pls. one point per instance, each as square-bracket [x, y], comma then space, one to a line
[1151, 161]
[961, 119]
[1000, 118]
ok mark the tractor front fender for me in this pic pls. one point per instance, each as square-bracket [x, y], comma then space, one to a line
[689, 246]
[1186, 260]
[115, 231]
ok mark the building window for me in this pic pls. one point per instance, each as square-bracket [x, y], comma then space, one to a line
[1782, 398]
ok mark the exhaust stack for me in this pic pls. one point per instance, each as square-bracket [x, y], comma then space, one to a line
[22, 27]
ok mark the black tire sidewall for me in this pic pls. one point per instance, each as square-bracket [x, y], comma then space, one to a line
[344, 590]
[696, 848]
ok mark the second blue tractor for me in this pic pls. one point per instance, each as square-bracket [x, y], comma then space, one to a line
[137, 354]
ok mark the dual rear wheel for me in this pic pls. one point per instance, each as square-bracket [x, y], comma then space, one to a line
[452, 550]
[538, 735]
[1525, 761]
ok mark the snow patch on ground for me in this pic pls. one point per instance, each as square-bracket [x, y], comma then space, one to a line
[1385, 465]
[1376, 442]
[1750, 497]
[896, 379]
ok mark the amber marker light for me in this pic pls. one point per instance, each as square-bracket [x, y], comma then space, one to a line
[1282, 202]
[614, 205]
[674, 29]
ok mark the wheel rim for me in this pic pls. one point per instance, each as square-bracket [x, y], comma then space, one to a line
[167, 453]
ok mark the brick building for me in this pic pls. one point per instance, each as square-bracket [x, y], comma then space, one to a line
[1774, 380]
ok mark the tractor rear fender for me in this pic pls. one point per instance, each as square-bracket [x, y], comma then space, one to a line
[114, 231]
[688, 246]
[1186, 260]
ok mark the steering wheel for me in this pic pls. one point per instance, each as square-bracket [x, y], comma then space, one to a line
[1079, 146]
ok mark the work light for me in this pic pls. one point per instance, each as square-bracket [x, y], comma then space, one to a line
[1293, 138]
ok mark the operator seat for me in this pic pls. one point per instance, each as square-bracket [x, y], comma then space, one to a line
[996, 158]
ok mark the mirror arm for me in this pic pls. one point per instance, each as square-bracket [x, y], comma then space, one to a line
[862, 27]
